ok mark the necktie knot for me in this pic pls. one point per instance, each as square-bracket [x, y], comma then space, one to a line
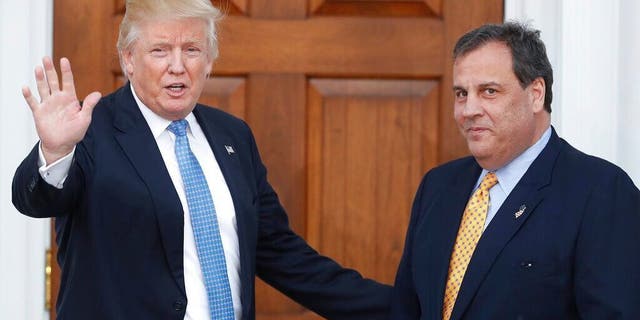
[178, 127]
[488, 181]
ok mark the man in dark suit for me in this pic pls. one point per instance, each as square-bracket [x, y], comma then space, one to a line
[163, 209]
[527, 227]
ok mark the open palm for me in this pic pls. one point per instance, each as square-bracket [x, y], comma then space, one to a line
[61, 122]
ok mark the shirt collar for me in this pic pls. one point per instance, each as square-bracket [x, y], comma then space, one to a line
[158, 124]
[510, 174]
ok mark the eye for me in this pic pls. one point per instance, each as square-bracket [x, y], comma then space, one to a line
[460, 94]
[490, 91]
[158, 52]
[193, 51]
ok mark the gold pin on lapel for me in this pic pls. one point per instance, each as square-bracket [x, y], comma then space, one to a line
[520, 211]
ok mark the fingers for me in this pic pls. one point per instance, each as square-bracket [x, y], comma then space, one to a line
[31, 100]
[43, 87]
[52, 75]
[47, 78]
[90, 102]
[67, 76]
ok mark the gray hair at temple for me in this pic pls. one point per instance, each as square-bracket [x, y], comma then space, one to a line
[138, 11]
[528, 52]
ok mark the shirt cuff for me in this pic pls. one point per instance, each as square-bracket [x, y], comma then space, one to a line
[56, 173]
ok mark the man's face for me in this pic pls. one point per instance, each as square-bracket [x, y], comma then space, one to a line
[498, 118]
[168, 65]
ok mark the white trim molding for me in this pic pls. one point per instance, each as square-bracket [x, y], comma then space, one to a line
[26, 35]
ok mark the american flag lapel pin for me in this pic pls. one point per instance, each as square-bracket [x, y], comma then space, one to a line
[520, 211]
[229, 149]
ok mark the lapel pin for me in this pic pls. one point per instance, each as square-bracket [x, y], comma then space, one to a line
[230, 150]
[520, 211]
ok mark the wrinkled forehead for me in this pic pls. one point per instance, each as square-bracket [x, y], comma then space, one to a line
[172, 31]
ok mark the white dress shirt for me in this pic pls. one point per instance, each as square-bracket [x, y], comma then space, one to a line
[197, 307]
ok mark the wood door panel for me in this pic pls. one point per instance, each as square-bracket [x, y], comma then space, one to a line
[332, 46]
[281, 9]
[226, 93]
[276, 116]
[383, 8]
[90, 58]
[232, 6]
[374, 140]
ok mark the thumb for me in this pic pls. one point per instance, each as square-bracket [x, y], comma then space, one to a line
[90, 102]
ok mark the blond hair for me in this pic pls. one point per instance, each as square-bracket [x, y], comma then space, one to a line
[138, 11]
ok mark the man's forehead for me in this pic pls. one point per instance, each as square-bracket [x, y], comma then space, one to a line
[490, 45]
[171, 29]
[488, 63]
[492, 55]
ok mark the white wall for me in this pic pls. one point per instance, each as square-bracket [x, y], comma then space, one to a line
[25, 36]
[594, 47]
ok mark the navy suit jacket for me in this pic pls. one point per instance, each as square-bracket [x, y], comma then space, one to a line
[574, 253]
[119, 225]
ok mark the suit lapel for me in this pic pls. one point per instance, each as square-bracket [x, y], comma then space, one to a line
[228, 153]
[437, 235]
[526, 196]
[138, 144]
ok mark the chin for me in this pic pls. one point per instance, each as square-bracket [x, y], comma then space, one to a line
[179, 106]
[478, 151]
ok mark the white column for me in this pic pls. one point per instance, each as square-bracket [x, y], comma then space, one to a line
[25, 35]
[590, 103]
[629, 90]
[593, 46]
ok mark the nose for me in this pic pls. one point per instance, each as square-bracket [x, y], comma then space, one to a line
[176, 64]
[472, 107]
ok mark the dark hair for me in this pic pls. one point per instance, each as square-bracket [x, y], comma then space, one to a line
[527, 51]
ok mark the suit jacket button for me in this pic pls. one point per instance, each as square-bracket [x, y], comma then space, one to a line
[178, 305]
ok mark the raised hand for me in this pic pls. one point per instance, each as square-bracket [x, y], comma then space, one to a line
[61, 122]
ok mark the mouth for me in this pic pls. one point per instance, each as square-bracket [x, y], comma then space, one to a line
[176, 89]
[476, 132]
[476, 129]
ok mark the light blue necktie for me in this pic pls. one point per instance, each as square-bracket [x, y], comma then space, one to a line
[205, 226]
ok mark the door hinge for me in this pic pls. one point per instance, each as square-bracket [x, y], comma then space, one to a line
[47, 280]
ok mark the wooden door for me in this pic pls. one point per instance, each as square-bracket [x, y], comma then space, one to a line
[350, 102]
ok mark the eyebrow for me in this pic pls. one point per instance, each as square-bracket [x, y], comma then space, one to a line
[489, 84]
[482, 85]
[187, 41]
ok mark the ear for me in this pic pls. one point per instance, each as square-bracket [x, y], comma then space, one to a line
[127, 57]
[537, 91]
[209, 67]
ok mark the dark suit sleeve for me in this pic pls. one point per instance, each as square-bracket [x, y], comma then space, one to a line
[404, 300]
[285, 261]
[34, 197]
[607, 262]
